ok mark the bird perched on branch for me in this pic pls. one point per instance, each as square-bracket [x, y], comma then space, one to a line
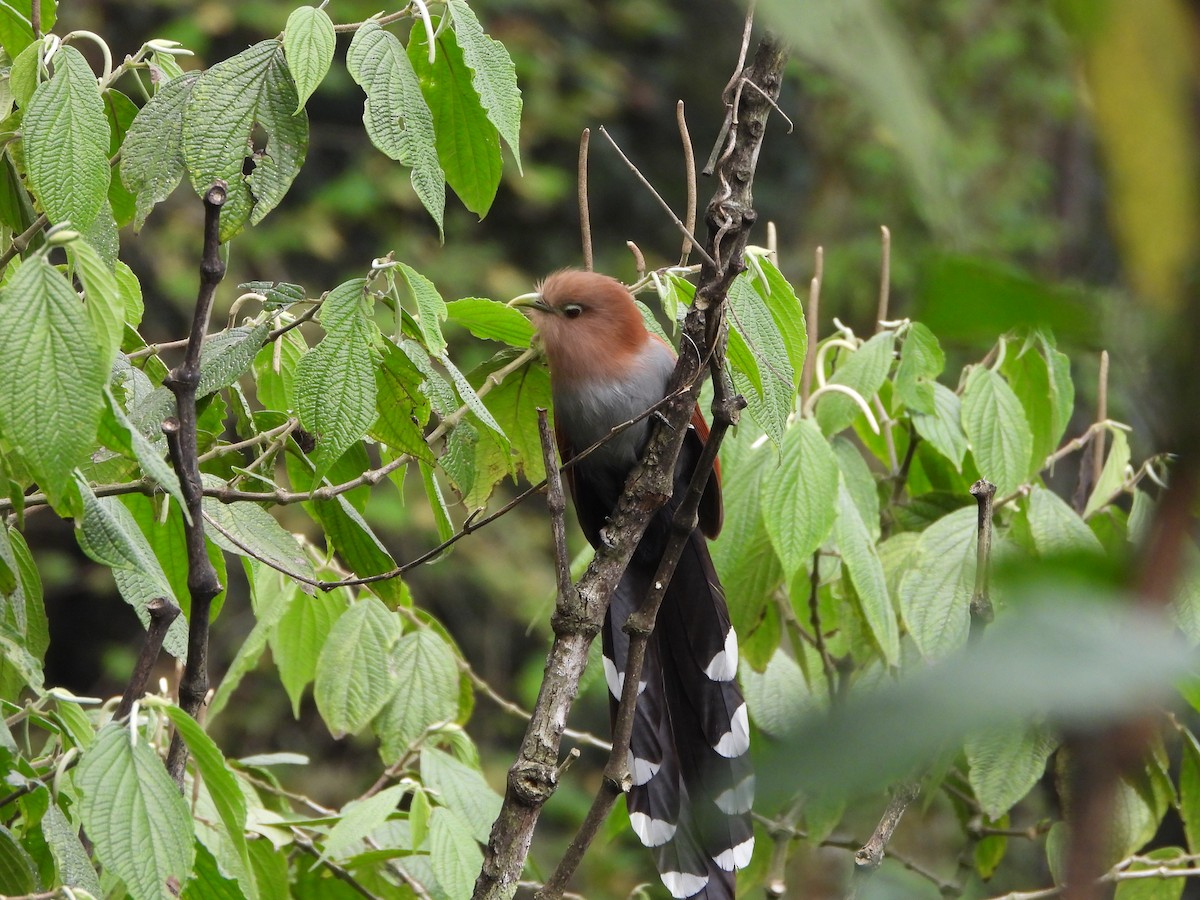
[692, 784]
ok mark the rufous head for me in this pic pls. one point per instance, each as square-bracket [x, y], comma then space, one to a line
[589, 324]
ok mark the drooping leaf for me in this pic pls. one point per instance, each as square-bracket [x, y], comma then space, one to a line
[298, 638]
[74, 867]
[786, 310]
[935, 594]
[398, 120]
[996, 426]
[1056, 528]
[866, 573]
[468, 144]
[864, 371]
[943, 429]
[491, 320]
[247, 93]
[495, 76]
[748, 315]
[1112, 476]
[799, 499]
[426, 666]
[65, 135]
[453, 854]
[514, 403]
[103, 301]
[1040, 376]
[402, 406]
[249, 530]
[308, 44]
[51, 412]
[152, 155]
[921, 362]
[134, 814]
[1005, 763]
[776, 697]
[355, 675]
[359, 818]
[462, 789]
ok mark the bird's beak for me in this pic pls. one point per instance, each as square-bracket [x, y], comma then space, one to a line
[531, 301]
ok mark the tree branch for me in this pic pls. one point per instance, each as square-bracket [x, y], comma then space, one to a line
[162, 613]
[203, 584]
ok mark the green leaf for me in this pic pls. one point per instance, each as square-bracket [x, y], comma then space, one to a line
[74, 867]
[398, 120]
[776, 697]
[426, 666]
[858, 480]
[16, 33]
[470, 398]
[134, 814]
[131, 294]
[17, 872]
[468, 145]
[1189, 788]
[514, 403]
[1154, 887]
[943, 429]
[356, 670]
[250, 92]
[453, 854]
[864, 371]
[222, 786]
[799, 499]
[748, 315]
[120, 112]
[1040, 376]
[360, 818]
[308, 44]
[491, 320]
[297, 640]
[786, 310]
[65, 135]
[921, 362]
[249, 530]
[335, 393]
[431, 308]
[102, 299]
[437, 502]
[1057, 529]
[1112, 476]
[495, 76]
[866, 573]
[463, 790]
[935, 594]
[152, 155]
[129, 439]
[276, 390]
[402, 406]
[109, 535]
[1005, 764]
[49, 414]
[996, 426]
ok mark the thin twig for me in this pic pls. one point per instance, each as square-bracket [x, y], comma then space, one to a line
[885, 278]
[203, 583]
[868, 857]
[727, 93]
[814, 616]
[812, 325]
[657, 196]
[639, 260]
[382, 20]
[982, 614]
[689, 169]
[585, 215]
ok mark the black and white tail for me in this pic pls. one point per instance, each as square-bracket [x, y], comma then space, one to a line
[689, 753]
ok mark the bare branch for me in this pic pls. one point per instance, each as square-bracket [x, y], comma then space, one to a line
[984, 493]
[885, 278]
[868, 858]
[689, 168]
[162, 613]
[585, 215]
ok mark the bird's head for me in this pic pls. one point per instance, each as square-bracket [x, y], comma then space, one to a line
[589, 324]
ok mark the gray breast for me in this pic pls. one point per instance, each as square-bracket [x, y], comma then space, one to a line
[587, 414]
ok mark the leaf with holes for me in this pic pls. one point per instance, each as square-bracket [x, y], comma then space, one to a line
[247, 100]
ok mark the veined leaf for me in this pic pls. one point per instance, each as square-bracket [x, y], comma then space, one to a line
[65, 135]
[152, 155]
[800, 497]
[359, 818]
[402, 406]
[398, 120]
[468, 144]
[1112, 476]
[935, 594]
[308, 44]
[426, 666]
[776, 697]
[1056, 528]
[50, 413]
[1005, 763]
[298, 638]
[454, 855]
[864, 370]
[1040, 376]
[489, 319]
[786, 310]
[997, 428]
[866, 573]
[74, 867]
[495, 76]
[247, 529]
[943, 429]
[921, 362]
[514, 403]
[134, 814]
[103, 301]
[748, 314]
[253, 90]
[356, 670]
[431, 308]
[462, 789]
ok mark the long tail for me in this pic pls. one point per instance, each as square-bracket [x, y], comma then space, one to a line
[689, 754]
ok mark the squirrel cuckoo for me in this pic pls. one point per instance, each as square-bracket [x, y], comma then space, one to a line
[692, 783]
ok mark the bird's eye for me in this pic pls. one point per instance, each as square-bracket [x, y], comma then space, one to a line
[572, 310]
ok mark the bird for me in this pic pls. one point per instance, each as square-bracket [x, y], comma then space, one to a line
[692, 784]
